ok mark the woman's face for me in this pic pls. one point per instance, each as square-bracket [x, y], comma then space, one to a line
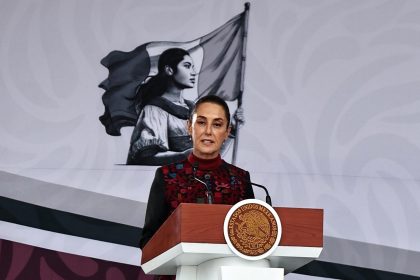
[184, 76]
[209, 129]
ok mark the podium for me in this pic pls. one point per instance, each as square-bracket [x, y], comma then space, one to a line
[191, 245]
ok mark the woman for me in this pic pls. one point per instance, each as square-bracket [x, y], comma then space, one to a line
[209, 127]
[161, 136]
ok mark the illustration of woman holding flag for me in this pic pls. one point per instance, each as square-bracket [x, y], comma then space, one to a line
[160, 135]
[155, 105]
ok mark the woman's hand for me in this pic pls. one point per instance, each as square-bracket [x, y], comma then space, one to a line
[238, 117]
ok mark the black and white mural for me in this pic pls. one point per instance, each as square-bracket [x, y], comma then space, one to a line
[145, 88]
[329, 102]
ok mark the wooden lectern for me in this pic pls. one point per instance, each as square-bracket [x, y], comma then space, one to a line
[191, 244]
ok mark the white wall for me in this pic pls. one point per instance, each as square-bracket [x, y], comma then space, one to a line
[332, 104]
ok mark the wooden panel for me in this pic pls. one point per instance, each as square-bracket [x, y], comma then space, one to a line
[203, 223]
[301, 226]
[167, 236]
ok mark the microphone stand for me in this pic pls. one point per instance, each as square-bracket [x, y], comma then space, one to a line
[267, 196]
[209, 193]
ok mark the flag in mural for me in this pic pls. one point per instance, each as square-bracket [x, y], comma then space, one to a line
[218, 58]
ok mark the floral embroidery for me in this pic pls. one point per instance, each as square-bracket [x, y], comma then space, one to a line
[228, 183]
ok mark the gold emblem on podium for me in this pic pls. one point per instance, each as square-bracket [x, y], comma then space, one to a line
[252, 229]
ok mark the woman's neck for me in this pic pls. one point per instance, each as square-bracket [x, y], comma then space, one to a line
[173, 94]
[205, 164]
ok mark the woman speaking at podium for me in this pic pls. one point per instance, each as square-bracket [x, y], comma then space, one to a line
[201, 178]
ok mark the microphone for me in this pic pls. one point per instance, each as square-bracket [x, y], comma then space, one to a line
[209, 193]
[267, 196]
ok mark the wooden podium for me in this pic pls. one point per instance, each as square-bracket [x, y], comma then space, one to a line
[191, 243]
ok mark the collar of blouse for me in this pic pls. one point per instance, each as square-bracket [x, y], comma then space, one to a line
[205, 164]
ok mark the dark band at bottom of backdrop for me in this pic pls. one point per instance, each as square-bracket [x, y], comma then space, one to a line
[26, 214]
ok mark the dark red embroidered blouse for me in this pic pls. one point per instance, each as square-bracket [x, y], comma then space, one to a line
[175, 183]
